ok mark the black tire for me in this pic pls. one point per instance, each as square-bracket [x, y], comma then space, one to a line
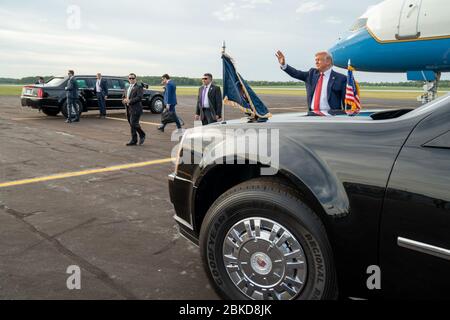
[50, 112]
[157, 105]
[64, 108]
[269, 200]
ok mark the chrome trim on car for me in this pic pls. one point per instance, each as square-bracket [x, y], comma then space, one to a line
[183, 222]
[173, 177]
[424, 248]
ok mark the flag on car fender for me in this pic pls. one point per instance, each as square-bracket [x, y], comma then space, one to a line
[238, 94]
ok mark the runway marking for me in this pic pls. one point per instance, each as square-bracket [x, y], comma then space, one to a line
[84, 172]
[144, 122]
[34, 118]
[291, 108]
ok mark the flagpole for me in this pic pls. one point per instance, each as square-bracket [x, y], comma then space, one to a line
[223, 79]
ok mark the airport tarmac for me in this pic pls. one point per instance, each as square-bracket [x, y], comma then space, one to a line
[99, 205]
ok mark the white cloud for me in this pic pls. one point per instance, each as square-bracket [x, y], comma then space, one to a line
[228, 13]
[333, 20]
[310, 6]
[250, 4]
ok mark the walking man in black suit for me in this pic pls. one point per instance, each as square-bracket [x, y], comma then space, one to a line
[132, 99]
[209, 102]
[101, 91]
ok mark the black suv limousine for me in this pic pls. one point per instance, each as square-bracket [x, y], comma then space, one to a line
[346, 206]
[51, 96]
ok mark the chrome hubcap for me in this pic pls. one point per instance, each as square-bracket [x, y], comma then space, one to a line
[264, 260]
[159, 105]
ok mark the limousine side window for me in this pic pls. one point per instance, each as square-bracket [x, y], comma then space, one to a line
[115, 84]
[83, 83]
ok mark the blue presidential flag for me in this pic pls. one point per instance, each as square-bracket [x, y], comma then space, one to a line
[238, 94]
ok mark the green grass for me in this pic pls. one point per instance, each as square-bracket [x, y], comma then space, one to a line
[300, 92]
[10, 90]
[6, 90]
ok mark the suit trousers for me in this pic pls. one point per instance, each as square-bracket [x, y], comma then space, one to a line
[207, 116]
[101, 103]
[133, 119]
[177, 120]
[72, 109]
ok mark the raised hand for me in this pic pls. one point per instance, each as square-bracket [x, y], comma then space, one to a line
[281, 58]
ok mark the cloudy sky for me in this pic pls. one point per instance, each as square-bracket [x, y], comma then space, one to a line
[179, 37]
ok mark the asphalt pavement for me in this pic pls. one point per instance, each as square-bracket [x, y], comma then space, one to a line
[74, 194]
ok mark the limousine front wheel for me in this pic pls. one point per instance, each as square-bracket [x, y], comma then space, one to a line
[157, 105]
[260, 241]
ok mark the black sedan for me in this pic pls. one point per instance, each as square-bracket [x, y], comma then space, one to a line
[50, 97]
[338, 207]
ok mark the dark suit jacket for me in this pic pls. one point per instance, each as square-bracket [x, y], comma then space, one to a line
[214, 98]
[170, 94]
[72, 89]
[103, 86]
[336, 86]
[136, 96]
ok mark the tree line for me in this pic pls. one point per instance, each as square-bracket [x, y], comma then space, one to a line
[185, 81]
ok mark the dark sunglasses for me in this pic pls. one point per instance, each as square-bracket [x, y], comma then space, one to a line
[204, 78]
[131, 78]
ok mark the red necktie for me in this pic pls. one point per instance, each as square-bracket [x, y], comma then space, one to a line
[318, 94]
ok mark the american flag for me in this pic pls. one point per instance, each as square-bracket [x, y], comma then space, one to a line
[352, 101]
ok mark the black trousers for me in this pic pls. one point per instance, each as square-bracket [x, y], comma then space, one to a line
[133, 119]
[208, 116]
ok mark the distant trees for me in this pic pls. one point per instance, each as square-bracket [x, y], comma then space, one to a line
[185, 81]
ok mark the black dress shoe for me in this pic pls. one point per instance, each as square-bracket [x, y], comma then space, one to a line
[161, 128]
[141, 140]
[131, 143]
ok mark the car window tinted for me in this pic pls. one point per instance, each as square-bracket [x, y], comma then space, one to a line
[126, 83]
[115, 84]
[55, 82]
[82, 83]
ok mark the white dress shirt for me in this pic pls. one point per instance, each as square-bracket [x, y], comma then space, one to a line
[129, 91]
[205, 96]
[324, 105]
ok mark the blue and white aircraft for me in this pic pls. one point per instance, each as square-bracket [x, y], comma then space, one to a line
[407, 36]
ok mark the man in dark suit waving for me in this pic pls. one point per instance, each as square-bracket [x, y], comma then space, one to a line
[209, 102]
[325, 88]
[101, 91]
[132, 99]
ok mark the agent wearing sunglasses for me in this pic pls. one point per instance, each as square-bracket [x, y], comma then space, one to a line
[209, 102]
[132, 99]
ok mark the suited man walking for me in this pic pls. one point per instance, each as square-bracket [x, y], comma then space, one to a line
[132, 99]
[170, 100]
[73, 114]
[101, 91]
[209, 102]
[325, 88]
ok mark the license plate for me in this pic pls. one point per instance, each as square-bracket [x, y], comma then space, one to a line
[29, 92]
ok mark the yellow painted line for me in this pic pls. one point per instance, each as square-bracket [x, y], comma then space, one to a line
[34, 118]
[144, 122]
[84, 172]
[292, 108]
